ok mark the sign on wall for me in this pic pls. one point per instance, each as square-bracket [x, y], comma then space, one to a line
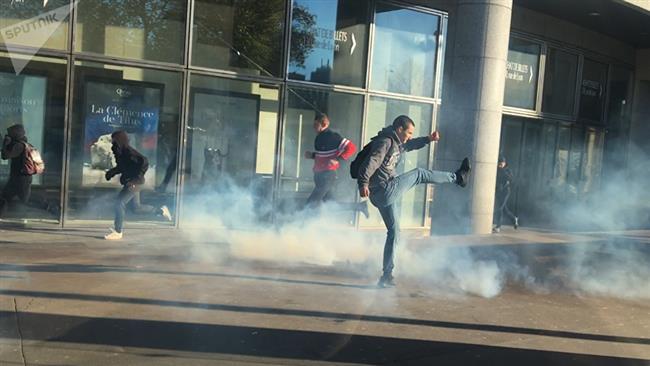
[521, 74]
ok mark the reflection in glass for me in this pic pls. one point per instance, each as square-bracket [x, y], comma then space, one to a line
[328, 41]
[592, 90]
[230, 151]
[381, 113]
[49, 31]
[560, 82]
[242, 35]
[144, 103]
[618, 119]
[404, 53]
[35, 98]
[521, 74]
[140, 29]
[345, 112]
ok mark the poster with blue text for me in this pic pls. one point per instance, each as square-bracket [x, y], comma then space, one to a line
[110, 106]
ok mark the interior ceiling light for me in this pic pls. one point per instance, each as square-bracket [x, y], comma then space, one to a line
[594, 14]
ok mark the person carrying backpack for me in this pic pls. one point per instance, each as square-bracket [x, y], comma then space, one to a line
[14, 147]
[330, 149]
[132, 166]
[377, 179]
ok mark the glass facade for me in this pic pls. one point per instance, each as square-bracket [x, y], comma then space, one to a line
[219, 96]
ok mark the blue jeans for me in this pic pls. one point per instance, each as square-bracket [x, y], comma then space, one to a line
[385, 200]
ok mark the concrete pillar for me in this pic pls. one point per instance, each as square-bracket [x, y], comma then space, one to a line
[470, 118]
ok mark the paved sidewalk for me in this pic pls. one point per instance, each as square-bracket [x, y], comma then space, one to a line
[67, 297]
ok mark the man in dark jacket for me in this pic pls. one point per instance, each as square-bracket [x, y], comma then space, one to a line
[19, 184]
[330, 149]
[505, 180]
[378, 180]
[132, 166]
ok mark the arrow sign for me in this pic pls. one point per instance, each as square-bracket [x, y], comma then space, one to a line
[354, 44]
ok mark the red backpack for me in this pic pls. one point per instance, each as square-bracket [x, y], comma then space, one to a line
[33, 163]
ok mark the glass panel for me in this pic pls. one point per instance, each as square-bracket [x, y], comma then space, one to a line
[329, 41]
[34, 98]
[574, 173]
[143, 29]
[560, 82]
[404, 53]
[230, 151]
[618, 119]
[345, 112]
[381, 113]
[521, 75]
[144, 103]
[35, 23]
[591, 165]
[241, 35]
[592, 91]
[559, 182]
[530, 179]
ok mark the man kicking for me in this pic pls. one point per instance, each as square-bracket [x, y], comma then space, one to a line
[377, 179]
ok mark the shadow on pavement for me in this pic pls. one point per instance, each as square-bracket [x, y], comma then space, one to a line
[281, 343]
[83, 268]
[329, 315]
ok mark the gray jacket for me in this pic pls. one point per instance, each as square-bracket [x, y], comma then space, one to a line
[385, 155]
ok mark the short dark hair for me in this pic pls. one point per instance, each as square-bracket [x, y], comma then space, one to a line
[403, 121]
[320, 117]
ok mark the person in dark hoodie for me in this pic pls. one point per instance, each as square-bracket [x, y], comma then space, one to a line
[131, 165]
[19, 184]
[330, 149]
[378, 180]
[505, 180]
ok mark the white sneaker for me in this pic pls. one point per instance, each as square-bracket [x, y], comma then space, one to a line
[496, 230]
[165, 213]
[113, 235]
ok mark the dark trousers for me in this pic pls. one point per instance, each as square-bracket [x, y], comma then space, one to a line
[385, 199]
[130, 193]
[17, 186]
[502, 206]
[325, 182]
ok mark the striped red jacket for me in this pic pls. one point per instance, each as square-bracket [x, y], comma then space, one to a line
[330, 148]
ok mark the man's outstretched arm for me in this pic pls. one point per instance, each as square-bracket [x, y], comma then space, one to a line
[420, 142]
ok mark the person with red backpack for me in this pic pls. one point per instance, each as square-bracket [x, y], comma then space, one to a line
[14, 148]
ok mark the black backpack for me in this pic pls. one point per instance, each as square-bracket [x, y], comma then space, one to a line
[360, 158]
[355, 165]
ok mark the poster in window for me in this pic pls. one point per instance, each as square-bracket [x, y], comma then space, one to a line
[22, 101]
[109, 106]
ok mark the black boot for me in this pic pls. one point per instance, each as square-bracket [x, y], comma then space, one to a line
[462, 174]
